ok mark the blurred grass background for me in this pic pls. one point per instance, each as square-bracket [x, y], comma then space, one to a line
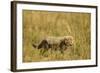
[39, 24]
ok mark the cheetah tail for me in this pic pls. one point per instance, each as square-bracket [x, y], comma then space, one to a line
[34, 45]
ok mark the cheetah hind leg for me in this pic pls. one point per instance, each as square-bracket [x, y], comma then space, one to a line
[43, 52]
[62, 48]
[62, 51]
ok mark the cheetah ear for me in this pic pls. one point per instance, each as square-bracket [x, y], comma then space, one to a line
[65, 40]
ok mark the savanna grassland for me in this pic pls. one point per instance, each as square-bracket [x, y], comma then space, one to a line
[39, 24]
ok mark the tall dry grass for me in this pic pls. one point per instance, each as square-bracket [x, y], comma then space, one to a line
[39, 24]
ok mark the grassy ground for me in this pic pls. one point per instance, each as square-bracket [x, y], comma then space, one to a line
[39, 24]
